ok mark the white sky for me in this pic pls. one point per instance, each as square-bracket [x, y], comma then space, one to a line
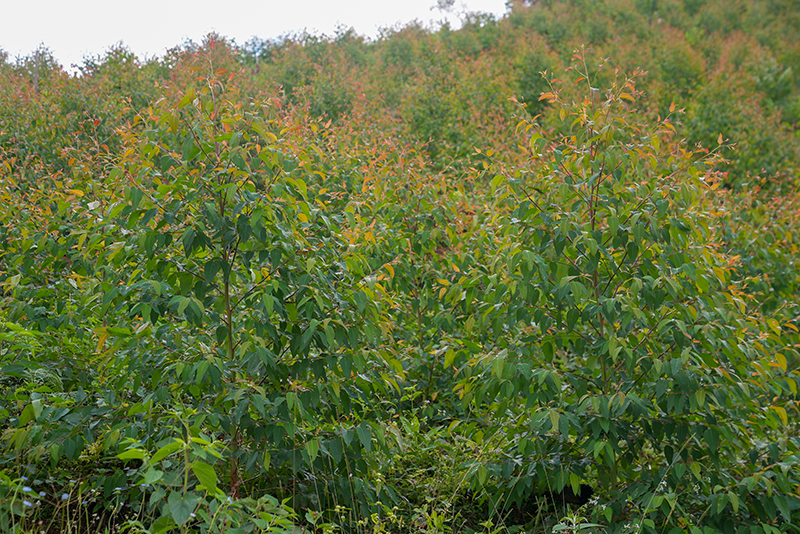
[73, 29]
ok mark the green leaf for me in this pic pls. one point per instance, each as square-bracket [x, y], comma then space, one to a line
[210, 269]
[497, 365]
[680, 470]
[330, 335]
[782, 504]
[165, 451]
[336, 449]
[483, 475]
[136, 196]
[361, 300]
[163, 524]
[312, 448]
[711, 436]
[221, 334]
[182, 506]
[572, 318]
[613, 225]
[188, 97]
[565, 280]
[27, 415]
[206, 475]
[186, 148]
[183, 303]
[188, 239]
[309, 332]
[269, 303]
[365, 436]
[152, 475]
[116, 331]
[575, 483]
[131, 454]
[547, 349]
[244, 228]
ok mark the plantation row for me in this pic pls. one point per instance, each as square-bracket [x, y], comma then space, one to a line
[535, 274]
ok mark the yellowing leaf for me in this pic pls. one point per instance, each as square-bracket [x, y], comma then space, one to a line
[187, 98]
[449, 356]
[781, 362]
[700, 396]
[782, 414]
[734, 501]
[101, 342]
[554, 417]
[312, 448]
[695, 468]
[774, 326]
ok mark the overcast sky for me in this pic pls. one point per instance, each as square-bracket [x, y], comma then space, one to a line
[72, 29]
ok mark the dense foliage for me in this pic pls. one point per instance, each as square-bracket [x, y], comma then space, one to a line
[536, 274]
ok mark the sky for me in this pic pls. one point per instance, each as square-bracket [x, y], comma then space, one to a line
[74, 29]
